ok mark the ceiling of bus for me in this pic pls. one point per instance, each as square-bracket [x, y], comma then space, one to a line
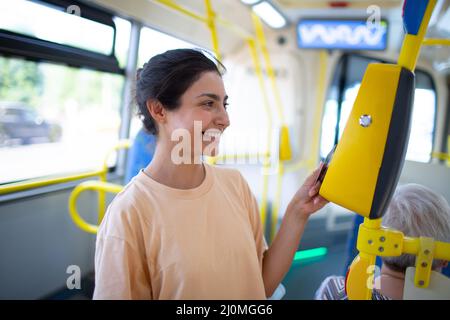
[153, 14]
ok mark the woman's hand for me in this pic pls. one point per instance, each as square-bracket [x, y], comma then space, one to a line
[307, 199]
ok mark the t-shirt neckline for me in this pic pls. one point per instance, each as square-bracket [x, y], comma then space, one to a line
[193, 193]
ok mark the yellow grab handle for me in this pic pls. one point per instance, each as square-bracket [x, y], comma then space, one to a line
[88, 185]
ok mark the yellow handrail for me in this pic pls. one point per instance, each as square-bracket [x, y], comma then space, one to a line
[122, 144]
[183, 10]
[441, 155]
[436, 42]
[31, 184]
[38, 183]
[100, 186]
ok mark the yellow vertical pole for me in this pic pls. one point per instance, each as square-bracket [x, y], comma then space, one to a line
[211, 18]
[263, 44]
[276, 204]
[266, 163]
[285, 152]
[102, 198]
[320, 102]
[410, 50]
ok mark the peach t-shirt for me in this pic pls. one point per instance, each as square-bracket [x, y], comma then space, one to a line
[157, 242]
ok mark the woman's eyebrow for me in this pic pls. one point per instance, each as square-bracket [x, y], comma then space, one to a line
[212, 96]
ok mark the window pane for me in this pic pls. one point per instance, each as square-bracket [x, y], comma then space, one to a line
[328, 127]
[153, 42]
[422, 127]
[123, 32]
[55, 119]
[47, 23]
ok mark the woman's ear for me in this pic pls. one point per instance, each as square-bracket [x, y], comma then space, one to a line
[156, 110]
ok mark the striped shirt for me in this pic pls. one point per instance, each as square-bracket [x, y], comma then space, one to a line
[333, 288]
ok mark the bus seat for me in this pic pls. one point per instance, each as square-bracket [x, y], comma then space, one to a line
[438, 288]
[140, 154]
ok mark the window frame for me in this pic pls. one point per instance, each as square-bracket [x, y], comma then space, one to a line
[23, 46]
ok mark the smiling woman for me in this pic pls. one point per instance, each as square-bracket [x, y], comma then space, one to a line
[161, 235]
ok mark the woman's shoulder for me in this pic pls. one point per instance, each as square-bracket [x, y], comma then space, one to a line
[127, 209]
[226, 174]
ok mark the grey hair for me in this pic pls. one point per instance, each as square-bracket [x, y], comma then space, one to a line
[417, 211]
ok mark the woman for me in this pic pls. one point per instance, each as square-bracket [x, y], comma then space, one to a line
[182, 229]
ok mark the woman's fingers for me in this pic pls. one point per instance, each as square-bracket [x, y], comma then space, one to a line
[320, 201]
[314, 189]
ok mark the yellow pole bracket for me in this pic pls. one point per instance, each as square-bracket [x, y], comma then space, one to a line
[424, 262]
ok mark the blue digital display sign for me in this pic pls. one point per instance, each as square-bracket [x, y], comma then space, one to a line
[341, 34]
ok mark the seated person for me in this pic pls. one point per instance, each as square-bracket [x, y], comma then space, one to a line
[416, 211]
[140, 154]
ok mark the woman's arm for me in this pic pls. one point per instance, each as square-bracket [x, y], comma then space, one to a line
[278, 258]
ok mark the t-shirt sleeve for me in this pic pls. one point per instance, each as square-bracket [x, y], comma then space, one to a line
[120, 267]
[255, 220]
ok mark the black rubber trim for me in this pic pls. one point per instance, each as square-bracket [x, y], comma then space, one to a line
[19, 45]
[396, 144]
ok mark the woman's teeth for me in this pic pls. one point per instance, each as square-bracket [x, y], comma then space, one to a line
[212, 134]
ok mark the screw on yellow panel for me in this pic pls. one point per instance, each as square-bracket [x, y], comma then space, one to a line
[424, 262]
[285, 146]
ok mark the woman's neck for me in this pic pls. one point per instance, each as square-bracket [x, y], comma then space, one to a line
[179, 176]
[392, 283]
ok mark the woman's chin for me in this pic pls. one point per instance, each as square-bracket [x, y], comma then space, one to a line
[211, 150]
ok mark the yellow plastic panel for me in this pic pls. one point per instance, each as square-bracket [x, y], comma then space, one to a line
[353, 172]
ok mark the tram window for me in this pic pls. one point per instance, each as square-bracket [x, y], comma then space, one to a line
[55, 119]
[153, 42]
[123, 32]
[345, 85]
[46, 23]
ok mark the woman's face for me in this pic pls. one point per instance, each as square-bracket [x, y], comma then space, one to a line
[202, 117]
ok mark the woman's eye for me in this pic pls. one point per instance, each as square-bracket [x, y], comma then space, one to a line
[225, 105]
[209, 103]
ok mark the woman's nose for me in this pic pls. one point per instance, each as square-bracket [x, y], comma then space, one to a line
[222, 120]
